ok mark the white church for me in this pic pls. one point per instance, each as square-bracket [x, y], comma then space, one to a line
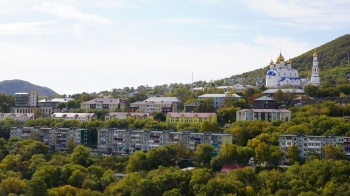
[281, 73]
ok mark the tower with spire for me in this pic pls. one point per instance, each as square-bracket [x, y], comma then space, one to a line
[281, 73]
[315, 76]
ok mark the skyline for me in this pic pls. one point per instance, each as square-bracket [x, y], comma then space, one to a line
[74, 46]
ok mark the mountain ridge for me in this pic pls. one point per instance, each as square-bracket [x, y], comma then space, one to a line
[10, 87]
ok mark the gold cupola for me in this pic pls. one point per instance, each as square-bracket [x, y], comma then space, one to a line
[280, 57]
[315, 54]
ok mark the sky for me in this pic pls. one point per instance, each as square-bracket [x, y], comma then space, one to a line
[75, 46]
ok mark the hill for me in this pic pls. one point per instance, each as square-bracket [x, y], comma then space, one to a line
[332, 58]
[10, 87]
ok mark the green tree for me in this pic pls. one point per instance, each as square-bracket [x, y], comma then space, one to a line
[293, 154]
[81, 156]
[137, 162]
[203, 154]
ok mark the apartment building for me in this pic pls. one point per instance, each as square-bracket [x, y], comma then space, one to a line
[55, 138]
[123, 115]
[114, 141]
[219, 99]
[157, 104]
[184, 117]
[25, 102]
[81, 117]
[17, 116]
[264, 114]
[111, 104]
[307, 143]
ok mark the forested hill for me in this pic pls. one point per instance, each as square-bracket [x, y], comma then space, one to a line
[10, 87]
[332, 58]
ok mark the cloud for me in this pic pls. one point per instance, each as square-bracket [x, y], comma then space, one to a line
[67, 10]
[229, 26]
[115, 4]
[186, 21]
[305, 15]
[24, 28]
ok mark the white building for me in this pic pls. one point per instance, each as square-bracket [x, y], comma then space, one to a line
[315, 76]
[263, 114]
[282, 74]
[81, 117]
[17, 116]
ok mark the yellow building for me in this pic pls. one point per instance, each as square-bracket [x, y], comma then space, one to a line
[183, 117]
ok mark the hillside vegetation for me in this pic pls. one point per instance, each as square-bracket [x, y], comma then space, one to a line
[10, 87]
[332, 58]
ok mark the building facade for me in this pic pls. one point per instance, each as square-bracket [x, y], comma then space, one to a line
[123, 115]
[219, 99]
[111, 104]
[315, 76]
[157, 104]
[264, 114]
[282, 74]
[55, 138]
[308, 143]
[81, 117]
[265, 103]
[183, 117]
[17, 116]
[118, 142]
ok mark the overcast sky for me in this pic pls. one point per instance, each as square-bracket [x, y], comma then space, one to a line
[74, 46]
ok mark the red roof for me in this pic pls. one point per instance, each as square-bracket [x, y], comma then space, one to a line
[229, 167]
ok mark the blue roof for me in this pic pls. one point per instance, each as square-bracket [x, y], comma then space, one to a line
[271, 72]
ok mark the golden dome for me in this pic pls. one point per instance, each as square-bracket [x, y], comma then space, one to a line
[289, 61]
[315, 54]
[277, 62]
[271, 63]
[280, 58]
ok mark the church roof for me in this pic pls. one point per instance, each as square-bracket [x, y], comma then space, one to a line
[271, 72]
[280, 57]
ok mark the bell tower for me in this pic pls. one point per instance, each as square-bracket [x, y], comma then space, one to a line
[315, 76]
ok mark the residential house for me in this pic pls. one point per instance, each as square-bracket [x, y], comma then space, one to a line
[123, 115]
[111, 104]
[17, 116]
[81, 117]
[157, 104]
[265, 103]
[183, 117]
[263, 114]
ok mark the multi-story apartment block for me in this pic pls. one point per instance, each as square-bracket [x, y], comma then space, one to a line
[25, 102]
[81, 117]
[219, 99]
[114, 141]
[56, 138]
[123, 115]
[183, 117]
[264, 114]
[157, 104]
[17, 116]
[111, 104]
[307, 143]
